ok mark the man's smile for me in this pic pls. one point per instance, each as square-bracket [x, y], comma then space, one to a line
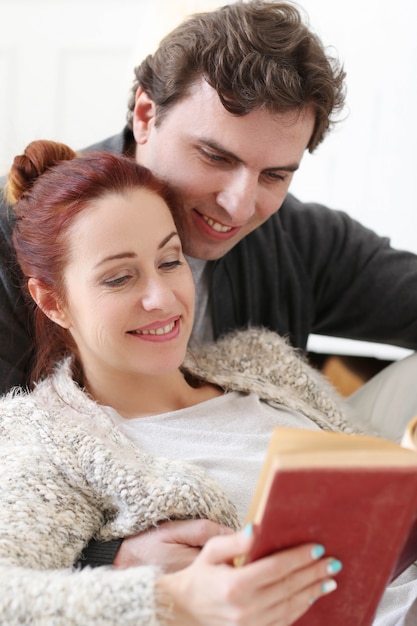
[217, 226]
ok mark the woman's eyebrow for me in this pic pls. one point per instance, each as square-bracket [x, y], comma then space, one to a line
[131, 255]
[168, 238]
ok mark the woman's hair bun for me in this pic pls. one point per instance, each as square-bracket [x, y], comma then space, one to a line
[38, 156]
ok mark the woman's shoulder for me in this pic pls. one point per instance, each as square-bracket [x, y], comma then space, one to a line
[243, 350]
[20, 411]
[51, 396]
[17, 400]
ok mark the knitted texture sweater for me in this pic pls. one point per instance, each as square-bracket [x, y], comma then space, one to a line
[68, 474]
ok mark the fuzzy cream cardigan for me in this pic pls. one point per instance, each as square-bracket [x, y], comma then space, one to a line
[68, 474]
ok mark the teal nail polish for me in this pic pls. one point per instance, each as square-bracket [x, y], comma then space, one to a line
[328, 586]
[248, 530]
[318, 551]
[334, 566]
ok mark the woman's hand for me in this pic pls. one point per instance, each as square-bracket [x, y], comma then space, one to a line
[275, 590]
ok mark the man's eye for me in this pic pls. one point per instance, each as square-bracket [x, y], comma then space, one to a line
[215, 157]
[212, 156]
[275, 177]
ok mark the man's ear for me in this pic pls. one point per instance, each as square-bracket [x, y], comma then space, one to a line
[143, 116]
[48, 303]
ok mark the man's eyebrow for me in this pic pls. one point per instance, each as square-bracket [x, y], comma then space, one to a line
[132, 255]
[292, 167]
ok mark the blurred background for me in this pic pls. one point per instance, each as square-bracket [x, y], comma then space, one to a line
[66, 68]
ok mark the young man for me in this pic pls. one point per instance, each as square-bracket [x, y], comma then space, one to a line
[224, 111]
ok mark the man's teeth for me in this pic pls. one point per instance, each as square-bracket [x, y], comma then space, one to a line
[156, 331]
[216, 226]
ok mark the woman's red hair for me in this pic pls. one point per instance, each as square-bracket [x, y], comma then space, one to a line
[50, 185]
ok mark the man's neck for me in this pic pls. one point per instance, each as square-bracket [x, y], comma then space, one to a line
[203, 325]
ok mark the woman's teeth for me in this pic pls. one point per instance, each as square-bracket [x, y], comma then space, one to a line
[163, 330]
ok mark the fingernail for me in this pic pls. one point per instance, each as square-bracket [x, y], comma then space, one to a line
[247, 531]
[334, 566]
[328, 586]
[317, 551]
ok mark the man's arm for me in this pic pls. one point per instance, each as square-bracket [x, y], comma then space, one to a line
[99, 553]
[16, 335]
[361, 287]
[311, 269]
[171, 546]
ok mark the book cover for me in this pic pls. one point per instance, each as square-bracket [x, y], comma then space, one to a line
[355, 495]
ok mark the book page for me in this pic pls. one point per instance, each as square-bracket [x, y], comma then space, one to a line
[292, 448]
[298, 449]
[409, 439]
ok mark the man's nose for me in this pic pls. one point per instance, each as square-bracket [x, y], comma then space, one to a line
[238, 197]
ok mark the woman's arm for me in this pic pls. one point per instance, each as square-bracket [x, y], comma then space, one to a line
[45, 521]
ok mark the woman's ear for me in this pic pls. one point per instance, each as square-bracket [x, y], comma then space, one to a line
[143, 116]
[48, 303]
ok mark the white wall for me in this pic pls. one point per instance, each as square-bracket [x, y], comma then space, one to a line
[66, 66]
[368, 165]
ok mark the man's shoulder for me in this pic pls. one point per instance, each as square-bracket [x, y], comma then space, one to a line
[305, 235]
[311, 221]
[294, 210]
[297, 220]
[116, 144]
[6, 213]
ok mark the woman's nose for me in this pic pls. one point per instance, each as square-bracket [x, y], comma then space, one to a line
[156, 295]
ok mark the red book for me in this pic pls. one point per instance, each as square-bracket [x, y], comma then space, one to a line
[355, 495]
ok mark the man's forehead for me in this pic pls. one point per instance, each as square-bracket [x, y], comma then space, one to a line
[240, 137]
[202, 97]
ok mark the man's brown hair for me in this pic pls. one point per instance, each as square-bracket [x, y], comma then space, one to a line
[256, 55]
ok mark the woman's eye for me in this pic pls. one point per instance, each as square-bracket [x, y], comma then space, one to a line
[169, 265]
[116, 282]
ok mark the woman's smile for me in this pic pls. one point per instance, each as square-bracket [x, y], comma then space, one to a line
[159, 331]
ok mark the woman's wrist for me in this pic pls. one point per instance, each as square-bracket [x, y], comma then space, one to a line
[168, 605]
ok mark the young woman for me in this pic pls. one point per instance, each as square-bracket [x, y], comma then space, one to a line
[124, 429]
